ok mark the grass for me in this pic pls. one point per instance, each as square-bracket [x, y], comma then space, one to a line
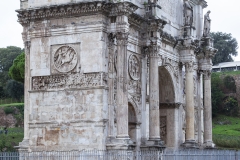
[6, 101]
[14, 136]
[226, 131]
[11, 104]
[224, 125]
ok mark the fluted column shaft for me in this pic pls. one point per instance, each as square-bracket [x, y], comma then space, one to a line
[122, 92]
[27, 86]
[154, 122]
[189, 102]
[207, 108]
[111, 77]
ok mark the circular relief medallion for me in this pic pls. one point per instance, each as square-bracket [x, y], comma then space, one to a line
[134, 67]
[65, 59]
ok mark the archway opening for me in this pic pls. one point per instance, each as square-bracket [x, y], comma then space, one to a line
[168, 111]
[132, 122]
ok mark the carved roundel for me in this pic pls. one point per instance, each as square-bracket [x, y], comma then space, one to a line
[65, 59]
[134, 67]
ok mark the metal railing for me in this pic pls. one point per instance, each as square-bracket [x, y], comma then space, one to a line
[124, 155]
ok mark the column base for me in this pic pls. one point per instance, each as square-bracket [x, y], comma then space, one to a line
[190, 144]
[23, 146]
[120, 144]
[153, 145]
[209, 145]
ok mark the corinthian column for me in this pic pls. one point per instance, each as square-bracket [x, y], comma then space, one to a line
[207, 110]
[122, 92]
[154, 122]
[190, 140]
[111, 77]
[27, 85]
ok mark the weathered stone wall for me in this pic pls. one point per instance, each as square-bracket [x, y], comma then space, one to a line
[68, 96]
[73, 118]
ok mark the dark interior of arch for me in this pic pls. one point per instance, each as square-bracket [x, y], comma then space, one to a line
[166, 87]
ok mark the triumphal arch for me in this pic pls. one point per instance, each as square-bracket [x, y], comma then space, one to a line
[115, 74]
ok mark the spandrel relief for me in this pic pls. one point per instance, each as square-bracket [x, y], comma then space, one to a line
[134, 67]
[65, 58]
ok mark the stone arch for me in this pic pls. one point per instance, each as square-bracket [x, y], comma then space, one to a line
[135, 106]
[167, 92]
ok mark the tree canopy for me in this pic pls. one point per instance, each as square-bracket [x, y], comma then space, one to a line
[15, 89]
[227, 47]
[7, 55]
[16, 71]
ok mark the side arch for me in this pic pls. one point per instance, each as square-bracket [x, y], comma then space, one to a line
[167, 88]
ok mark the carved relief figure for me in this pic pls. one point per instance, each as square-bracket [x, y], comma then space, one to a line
[134, 67]
[163, 128]
[188, 13]
[69, 81]
[65, 59]
[207, 24]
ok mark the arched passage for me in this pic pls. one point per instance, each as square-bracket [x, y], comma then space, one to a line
[132, 123]
[166, 87]
[168, 108]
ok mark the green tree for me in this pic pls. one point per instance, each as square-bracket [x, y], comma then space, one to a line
[217, 94]
[227, 47]
[16, 71]
[7, 55]
[15, 89]
[230, 107]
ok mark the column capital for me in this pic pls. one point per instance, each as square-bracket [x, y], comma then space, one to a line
[122, 38]
[27, 44]
[153, 51]
[156, 25]
[189, 66]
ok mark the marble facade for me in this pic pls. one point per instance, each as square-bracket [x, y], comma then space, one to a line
[116, 75]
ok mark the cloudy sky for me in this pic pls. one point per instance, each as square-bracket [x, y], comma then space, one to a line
[225, 15]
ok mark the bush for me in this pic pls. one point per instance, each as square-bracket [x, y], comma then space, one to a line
[8, 110]
[7, 142]
[229, 84]
[230, 107]
[227, 141]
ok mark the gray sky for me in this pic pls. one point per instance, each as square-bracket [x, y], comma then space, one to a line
[225, 15]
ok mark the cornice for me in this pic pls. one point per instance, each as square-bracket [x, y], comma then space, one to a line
[136, 20]
[25, 16]
[203, 3]
[117, 9]
[168, 38]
